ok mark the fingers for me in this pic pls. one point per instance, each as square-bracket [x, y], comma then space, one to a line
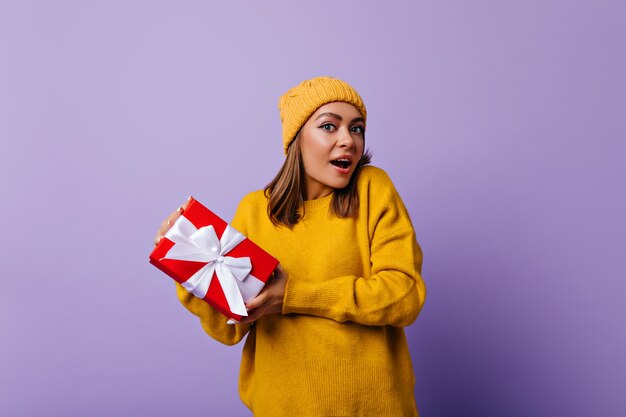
[257, 301]
[280, 276]
[252, 316]
[279, 271]
[186, 203]
[255, 307]
[176, 214]
[265, 302]
[169, 221]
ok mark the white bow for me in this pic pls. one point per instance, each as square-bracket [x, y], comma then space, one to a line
[202, 245]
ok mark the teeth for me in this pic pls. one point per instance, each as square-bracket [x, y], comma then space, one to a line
[341, 163]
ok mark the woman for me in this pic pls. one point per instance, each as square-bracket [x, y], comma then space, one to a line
[325, 336]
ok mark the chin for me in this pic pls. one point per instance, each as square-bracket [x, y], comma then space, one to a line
[339, 184]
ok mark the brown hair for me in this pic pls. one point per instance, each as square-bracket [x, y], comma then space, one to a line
[286, 190]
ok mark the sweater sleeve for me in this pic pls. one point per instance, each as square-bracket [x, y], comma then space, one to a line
[212, 321]
[394, 292]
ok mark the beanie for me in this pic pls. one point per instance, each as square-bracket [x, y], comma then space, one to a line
[301, 101]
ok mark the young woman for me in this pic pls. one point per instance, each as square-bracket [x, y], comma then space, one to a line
[325, 336]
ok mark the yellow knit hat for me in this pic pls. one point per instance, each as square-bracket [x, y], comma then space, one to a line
[300, 102]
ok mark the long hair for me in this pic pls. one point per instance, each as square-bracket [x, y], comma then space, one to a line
[286, 190]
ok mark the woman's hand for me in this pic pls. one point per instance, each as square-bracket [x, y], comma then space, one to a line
[270, 299]
[169, 221]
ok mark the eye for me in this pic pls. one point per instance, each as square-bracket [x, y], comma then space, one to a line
[328, 127]
[358, 129]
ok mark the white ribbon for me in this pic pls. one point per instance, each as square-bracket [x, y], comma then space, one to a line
[202, 245]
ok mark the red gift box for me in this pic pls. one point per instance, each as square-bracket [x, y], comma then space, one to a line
[200, 242]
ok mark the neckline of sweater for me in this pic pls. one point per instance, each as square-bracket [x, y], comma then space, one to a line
[318, 203]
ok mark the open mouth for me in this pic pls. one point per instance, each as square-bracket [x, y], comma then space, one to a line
[341, 163]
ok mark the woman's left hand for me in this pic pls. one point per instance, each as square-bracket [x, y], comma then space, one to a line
[270, 299]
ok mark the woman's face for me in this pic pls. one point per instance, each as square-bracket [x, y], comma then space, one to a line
[331, 144]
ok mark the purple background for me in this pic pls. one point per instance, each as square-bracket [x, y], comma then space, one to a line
[502, 124]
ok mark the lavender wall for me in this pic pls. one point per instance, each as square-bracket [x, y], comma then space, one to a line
[502, 124]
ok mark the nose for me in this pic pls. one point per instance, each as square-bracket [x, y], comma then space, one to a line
[345, 139]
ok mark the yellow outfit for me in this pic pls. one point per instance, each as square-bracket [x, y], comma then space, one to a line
[338, 348]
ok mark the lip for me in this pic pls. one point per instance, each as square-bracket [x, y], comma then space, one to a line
[343, 170]
[345, 156]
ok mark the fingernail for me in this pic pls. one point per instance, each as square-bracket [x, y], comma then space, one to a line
[189, 198]
[231, 321]
[180, 209]
[169, 222]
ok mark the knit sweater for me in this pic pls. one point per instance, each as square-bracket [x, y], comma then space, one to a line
[338, 348]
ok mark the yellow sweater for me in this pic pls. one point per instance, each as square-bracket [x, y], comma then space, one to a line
[338, 348]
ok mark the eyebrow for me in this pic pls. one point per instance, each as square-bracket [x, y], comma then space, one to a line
[338, 117]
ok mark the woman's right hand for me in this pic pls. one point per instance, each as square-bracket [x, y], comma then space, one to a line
[169, 221]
